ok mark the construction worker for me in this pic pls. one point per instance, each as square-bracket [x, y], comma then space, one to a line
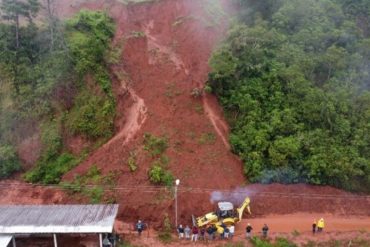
[248, 230]
[180, 230]
[320, 225]
[139, 227]
[265, 230]
[314, 227]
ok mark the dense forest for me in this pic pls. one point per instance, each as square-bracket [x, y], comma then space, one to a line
[54, 83]
[293, 78]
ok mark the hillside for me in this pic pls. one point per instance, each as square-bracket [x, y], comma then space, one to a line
[161, 121]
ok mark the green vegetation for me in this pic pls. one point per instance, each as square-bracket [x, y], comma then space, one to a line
[165, 235]
[9, 162]
[131, 162]
[279, 242]
[293, 79]
[207, 138]
[137, 34]
[51, 171]
[88, 37]
[158, 173]
[54, 81]
[155, 145]
[94, 186]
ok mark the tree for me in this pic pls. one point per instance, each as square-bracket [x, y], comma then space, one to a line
[13, 10]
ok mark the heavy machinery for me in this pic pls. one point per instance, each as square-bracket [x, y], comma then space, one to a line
[225, 214]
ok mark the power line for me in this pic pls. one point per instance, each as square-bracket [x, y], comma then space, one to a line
[221, 193]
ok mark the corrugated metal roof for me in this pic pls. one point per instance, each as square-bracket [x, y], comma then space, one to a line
[57, 218]
[5, 240]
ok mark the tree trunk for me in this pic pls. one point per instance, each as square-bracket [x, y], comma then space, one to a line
[17, 31]
[49, 4]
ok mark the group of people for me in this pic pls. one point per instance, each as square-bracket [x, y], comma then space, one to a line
[249, 229]
[195, 233]
[224, 232]
[319, 226]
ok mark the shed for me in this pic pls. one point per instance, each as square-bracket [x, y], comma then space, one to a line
[57, 219]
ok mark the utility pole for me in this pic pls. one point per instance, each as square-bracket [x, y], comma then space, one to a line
[177, 182]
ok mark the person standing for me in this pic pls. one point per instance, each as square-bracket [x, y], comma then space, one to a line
[265, 230]
[248, 230]
[226, 232]
[314, 227]
[139, 227]
[187, 232]
[180, 230]
[202, 233]
[194, 235]
[231, 231]
[320, 225]
[210, 232]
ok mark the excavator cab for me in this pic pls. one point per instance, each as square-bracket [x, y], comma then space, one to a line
[225, 210]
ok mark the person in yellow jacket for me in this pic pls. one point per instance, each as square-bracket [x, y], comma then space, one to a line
[320, 225]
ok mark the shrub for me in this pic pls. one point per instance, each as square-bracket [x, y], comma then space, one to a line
[165, 234]
[91, 116]
[51, 139]
[131, 162]
[207, 138]
[158, 175]
[9, 161]
[51, 171]
[155, 145]
[94, 185]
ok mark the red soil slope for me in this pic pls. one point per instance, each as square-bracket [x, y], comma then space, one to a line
[167, 45]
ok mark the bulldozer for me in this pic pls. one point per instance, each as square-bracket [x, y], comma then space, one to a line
[224, 215]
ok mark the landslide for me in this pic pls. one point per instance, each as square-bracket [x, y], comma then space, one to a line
[167, 45]
[165, 52]
[165, 55]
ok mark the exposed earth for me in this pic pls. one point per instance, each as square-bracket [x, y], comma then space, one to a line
[165, 53]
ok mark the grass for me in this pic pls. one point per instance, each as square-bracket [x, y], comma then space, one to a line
[131, 162]
[155, 145]
[199, 108]
[295, 233]
[172, 91]
[137, 34]
[207, 138]
[93, 185]
[165, 234]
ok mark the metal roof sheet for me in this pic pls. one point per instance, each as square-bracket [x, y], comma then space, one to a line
[5, 240]
[57, 218]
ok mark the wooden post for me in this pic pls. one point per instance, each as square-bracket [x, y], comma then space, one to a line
[13, 241]
[55, 240]
[101, 240]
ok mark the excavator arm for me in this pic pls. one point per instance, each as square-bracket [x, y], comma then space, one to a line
[242, 207]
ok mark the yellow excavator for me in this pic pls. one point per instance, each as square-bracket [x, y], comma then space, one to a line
[225, 214]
